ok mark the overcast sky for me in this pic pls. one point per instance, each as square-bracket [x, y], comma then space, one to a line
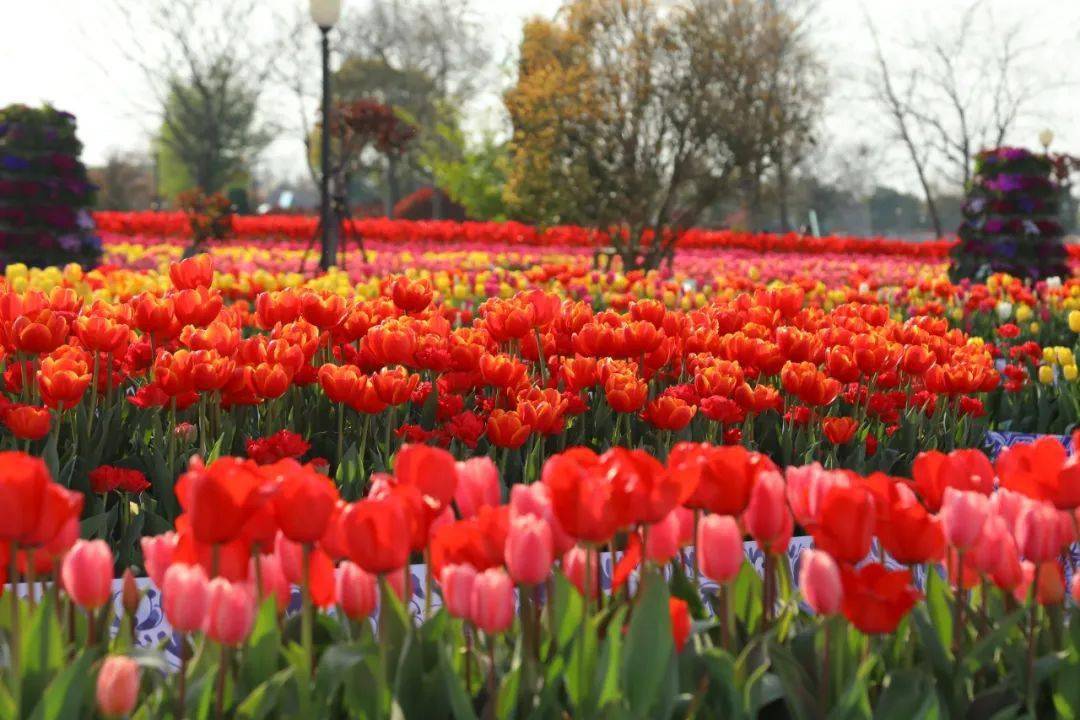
[68, 52]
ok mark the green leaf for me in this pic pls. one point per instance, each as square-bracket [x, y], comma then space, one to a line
[939, 607]
[983, 650]
[260, 660]
[567, 607]
[510, 687]
[746, 597]
[67, 693]
[721, 668]
[395, 627]
[460, 702]
[42, 651]
[795, 680]
[908, 695]
[649, 646]
[264, 699]
[931, 645]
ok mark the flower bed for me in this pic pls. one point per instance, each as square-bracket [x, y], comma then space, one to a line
[467, 410]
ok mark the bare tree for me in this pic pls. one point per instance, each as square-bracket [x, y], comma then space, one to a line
[207, 70]
[969, 89]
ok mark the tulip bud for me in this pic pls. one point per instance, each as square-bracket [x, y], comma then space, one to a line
[87, 573]
[230, 613]
[719, 547]
[492, 606]
[117, 686]
[457, 582]
[529, 551]
[185, 596]
[130, 594]
[963, 514]
[356, 591]
[819, 581]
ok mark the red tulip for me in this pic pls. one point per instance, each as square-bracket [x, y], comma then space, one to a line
[219, 498]
[839, 430]
[431, 470]
[1049, 579]
[581, 495]
[907, 531]
[681, 622]
[23, 480]
[726, 475]
[767, 517]
[876, 599]
[376, 534]
[303, 500]
[934, 471]
[193, 272]
[27, 422]
[845, 523]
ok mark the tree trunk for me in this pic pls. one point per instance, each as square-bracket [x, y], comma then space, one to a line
[436, 203]
[391, 185]
[782, 193]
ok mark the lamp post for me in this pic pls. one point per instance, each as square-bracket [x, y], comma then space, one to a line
[326, 13]
[1045, 138]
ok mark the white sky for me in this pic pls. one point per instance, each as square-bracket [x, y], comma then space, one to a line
[68, 52]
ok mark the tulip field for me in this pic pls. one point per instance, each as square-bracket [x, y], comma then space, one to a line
[479, 471]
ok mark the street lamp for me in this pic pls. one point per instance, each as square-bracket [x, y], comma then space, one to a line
[326, 13]
[1045, 138]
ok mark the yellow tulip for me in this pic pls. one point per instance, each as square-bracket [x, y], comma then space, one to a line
[1074, 321]
[1069, 371]
[1046, 374]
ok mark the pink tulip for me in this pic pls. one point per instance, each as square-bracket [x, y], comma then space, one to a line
[963, 514]
[663, 541]
[1007, 504]
[478, 485]
[492, 607]
[231, 612]
[535, 500]
[573, 566]
[719, 547]
[529, 551]
[819, 581]
[117, 686]
[87, 573]
[273, 582]
[158, 554]
[767, 517]
[807, 486]
[457, 583]
[291, 557]
[356, 591]
[185, 596]
[1037, 532]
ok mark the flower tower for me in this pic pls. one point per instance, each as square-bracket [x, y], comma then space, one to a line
[1011, 219]
[44, 190]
